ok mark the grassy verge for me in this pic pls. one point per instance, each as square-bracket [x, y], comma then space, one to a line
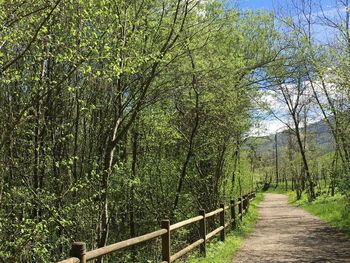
[332, 209]
[223, 252]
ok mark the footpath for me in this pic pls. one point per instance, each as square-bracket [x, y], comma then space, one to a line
[289, 234]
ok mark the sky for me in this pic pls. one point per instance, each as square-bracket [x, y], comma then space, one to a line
[321, 33]
[268, 4]
[256, 4]
[269, 124]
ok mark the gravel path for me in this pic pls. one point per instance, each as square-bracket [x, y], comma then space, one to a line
[289, 234]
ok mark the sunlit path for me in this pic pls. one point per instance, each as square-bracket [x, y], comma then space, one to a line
[289, 234]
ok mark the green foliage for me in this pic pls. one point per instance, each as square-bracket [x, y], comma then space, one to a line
[115, 115]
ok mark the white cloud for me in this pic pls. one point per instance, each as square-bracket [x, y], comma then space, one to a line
[267, 127]
[273, 113]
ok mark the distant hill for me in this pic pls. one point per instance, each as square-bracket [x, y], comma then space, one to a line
[319, 133]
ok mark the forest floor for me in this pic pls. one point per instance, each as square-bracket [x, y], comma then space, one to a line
[285, 233]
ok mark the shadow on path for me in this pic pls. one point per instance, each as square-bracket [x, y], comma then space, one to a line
[289, 234]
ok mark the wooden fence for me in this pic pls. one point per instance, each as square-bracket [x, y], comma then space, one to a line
[80, 255]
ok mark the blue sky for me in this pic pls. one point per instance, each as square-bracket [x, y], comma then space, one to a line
[268, 4]
[256, 4]
[321, 33]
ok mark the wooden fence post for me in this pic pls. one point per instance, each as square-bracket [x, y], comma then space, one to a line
[79, 251]
[248, 200]
[240, 208]
[203, 232]
[233, 213]
[244, 204]
[166, 241]
[222, 222]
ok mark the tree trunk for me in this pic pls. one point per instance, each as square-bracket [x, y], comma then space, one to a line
[306, 166]
[191, 138]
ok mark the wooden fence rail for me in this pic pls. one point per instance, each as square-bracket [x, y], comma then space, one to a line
[79, 254]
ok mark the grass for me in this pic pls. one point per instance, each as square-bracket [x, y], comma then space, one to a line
[333, 209]
[223, 252]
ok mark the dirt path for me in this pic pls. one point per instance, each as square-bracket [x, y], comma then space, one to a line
[289, 234]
